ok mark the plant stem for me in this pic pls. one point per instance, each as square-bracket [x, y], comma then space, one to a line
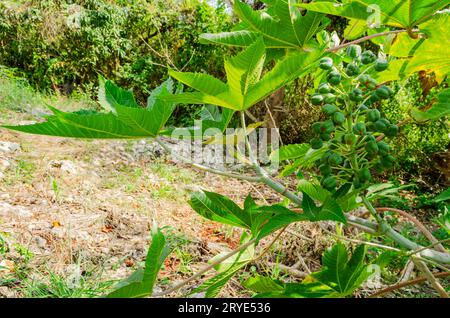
[429, 275]
[419, 225]
[407, 283]
[206, 269]
[363, 39]
[205, 168]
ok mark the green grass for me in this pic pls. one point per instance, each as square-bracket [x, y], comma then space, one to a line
[23, 172]
[17, 96]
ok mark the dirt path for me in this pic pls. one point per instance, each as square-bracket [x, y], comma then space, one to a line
[93, 203]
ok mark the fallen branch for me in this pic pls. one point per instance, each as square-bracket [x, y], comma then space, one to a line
[419, 225]
[408, 283]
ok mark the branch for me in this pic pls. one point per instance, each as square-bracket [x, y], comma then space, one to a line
[408, 283]
[419, 225]
[363, 39]
[205, 168]
[289, 270]
[429, 275]
[206, 269]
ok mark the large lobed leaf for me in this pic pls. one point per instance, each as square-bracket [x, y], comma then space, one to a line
[340, 273]
[244, 88]
[282, 25]
[396, 13]
[124, 119]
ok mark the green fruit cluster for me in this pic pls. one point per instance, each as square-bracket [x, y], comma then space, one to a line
[354, 128]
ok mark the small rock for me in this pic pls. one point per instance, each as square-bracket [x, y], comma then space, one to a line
[66, 166]
[4, 164]
[6, 292]
[8, 147]
[1, 175]
[40, 241]
[8, 209]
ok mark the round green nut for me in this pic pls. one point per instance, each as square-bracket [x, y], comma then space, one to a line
[328, 127]
[391, 131]
[325, 137]
[329, 183]
[371, 84]
[356, 95]
[334, 159]
[371, 147]
[334, 77]
[352, 70]
[316, 143]
[383, 148]
[381, 65]
[383, 92]
[373, 98]
[317, 127]
[338, 118]
[353, 51]
[326, 63]
[325, 170]
[325, 157]
[373, 115]
[350, 139]
[359, 128]
[364, 175]
[370, 137]
[329, 109]
[378, 166]
[371, 126]
[368, 57]
[363, 108]
[329, 98]
[317, 99]
[356, 182]
[387, 161]
[380, 125]
[324, 88]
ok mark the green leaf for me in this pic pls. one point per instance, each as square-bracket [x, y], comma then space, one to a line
[140, 284]
[262, 284]
[282, 25]
[355, 29]
[438, 110]
[294, 65]
[428, 54]
[272, 218]
[241, 38]
[227, 269]
[340, 273]
[244, 70]
[260, 220]
[110, 95]
[219, 208]
[330, 210]
[289, 152]
[269, 288]
[89, 126]
[395, 13]
[443, 196]
[244, 88]
[124, 121]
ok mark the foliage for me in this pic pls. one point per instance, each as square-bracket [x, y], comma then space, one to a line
[420, 143]
[141, 282]
[64, 45]
[349, 85]
[339, 277]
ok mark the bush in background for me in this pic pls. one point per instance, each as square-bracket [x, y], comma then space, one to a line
[64, 45]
